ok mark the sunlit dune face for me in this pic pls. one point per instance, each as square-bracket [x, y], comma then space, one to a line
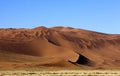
[44, 48]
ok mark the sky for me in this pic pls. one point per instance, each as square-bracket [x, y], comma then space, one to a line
[96, 15]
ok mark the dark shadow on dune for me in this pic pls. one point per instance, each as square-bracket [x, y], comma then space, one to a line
[53, 42]
[83, 61]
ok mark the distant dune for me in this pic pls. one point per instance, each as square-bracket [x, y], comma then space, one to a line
[58, 47]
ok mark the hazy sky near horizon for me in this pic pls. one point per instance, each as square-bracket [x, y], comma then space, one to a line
[96, 15]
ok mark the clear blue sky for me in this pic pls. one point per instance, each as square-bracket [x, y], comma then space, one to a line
[97, 15]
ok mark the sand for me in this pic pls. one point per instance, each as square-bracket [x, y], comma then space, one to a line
[58, 48]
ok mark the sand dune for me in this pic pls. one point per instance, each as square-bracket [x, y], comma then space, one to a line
[58, 47]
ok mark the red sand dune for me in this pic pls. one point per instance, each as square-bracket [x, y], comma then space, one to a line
[58, 47]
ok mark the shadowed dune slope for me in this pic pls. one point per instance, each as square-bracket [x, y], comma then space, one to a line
[59, 47]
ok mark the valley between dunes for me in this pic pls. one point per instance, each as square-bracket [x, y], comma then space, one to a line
[58, 48]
